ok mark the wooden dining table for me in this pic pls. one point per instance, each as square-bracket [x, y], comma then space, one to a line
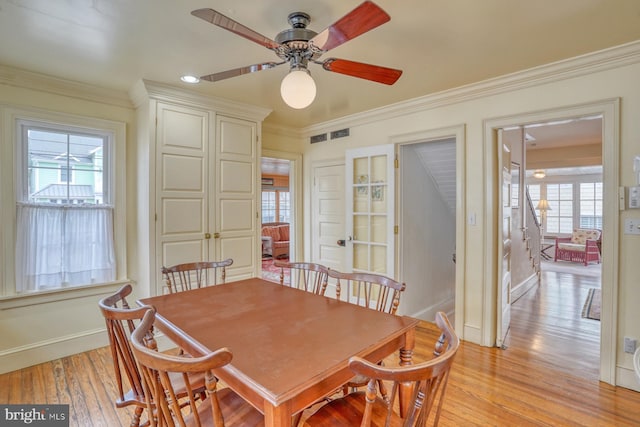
[290, 347]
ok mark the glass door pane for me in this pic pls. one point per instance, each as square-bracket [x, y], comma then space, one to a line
[370, 219]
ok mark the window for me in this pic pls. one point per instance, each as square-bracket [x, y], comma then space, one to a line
[276, 206]
[575, 202]
[560, 214]
[591, 205]
[268, 206]
[284, 206]
[64, 174]
[65, 206]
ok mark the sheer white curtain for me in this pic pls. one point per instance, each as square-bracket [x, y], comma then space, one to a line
[61, 246]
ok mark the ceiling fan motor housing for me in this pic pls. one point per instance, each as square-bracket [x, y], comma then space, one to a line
[299, 31]
[295, 41]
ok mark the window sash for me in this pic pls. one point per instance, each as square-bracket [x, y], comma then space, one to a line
[68, 240]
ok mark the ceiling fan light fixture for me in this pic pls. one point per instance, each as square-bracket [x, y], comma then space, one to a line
[298, 90]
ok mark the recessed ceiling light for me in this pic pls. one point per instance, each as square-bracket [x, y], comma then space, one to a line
[190, 79]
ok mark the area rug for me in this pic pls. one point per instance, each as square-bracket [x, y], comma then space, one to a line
[591, 309]
[272, 273]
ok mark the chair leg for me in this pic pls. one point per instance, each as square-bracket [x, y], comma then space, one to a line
[135, 421]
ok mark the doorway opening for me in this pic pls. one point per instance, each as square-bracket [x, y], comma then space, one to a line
[431, 222]
[608, 112]
[279, 208]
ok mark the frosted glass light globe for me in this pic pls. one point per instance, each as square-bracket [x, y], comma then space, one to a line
[298, 90]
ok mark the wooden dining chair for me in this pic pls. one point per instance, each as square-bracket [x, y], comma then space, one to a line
[369, 290]
[306, 276]
[427, 380]
[182, 277]
[220, 408]
[121, 320]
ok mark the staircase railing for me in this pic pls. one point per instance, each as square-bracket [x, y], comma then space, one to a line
[532, 232]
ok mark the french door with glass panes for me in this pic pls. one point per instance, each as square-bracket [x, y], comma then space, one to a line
[370, 196]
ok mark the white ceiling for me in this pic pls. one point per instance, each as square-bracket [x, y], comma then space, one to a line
[439, 44]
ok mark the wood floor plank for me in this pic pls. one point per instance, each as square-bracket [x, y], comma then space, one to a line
[547, 376]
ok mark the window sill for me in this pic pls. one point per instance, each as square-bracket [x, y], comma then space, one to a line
[45, 297]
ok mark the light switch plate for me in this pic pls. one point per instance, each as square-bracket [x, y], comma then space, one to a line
[632, 226]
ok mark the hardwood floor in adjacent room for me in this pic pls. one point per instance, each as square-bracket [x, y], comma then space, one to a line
[546, 377]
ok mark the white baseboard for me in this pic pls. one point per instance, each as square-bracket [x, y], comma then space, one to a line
[524, 287]
[24, 356]
[472, 334]
[627, 378]
[429, 313]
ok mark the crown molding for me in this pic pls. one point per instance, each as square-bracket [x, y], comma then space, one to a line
[142, 90]
[615, 57]
[283, 130]
[21, 78]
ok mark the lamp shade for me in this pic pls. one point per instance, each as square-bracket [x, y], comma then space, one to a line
[298, 90]
[543, 205]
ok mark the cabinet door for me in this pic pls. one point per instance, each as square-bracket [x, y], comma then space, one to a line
[182, 187]
[235, 196]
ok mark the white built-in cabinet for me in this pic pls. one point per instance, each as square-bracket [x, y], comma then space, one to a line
[204, 192]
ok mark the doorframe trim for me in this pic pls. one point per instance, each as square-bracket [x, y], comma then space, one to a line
[459, 133]
[295, 187]
[610, 111]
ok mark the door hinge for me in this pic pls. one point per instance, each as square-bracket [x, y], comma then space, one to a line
[156, 217]
[395, 229]
[396, 162]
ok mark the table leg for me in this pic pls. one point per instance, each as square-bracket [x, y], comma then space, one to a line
[277, 416]
[406, 358]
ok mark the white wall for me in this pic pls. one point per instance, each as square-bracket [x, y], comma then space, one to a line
[426, 242]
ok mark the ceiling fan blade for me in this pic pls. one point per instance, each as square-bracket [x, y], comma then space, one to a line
[240, 71]
[374, 73]
[363, 18]
[229, 24]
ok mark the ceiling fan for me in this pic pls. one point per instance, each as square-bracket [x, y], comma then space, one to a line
[298, 46]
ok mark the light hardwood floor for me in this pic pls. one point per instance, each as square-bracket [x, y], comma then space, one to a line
[546, 377]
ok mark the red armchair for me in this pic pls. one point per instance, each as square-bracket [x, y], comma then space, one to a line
[583, 246]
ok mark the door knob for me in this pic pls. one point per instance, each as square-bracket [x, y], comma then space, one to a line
[207, 235]
[216, 235]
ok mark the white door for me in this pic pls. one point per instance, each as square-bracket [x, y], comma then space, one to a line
[327, 216]
[504, 291]
[236, 191]
[370, 203]
[183, 186]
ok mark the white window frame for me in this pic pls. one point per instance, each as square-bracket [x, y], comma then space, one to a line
[12, 171]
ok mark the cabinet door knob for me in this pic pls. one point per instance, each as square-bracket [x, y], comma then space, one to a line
[216, 235]
[207, 235]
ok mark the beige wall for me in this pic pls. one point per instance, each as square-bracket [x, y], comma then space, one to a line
[69, 326]
[563, 85]
[33, 333]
